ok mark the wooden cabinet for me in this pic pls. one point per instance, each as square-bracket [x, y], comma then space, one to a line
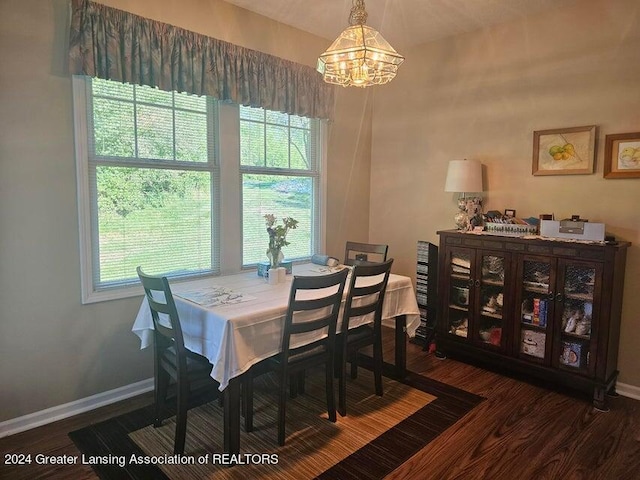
[545, 308]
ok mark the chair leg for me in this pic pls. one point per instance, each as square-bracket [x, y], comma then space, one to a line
[181, 418]
[342, 389]
[293, 386]
[282, 409]
[331, 400]
[377, 364]
[354, 364]
[160, 395]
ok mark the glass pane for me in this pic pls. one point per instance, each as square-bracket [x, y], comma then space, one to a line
[533, 343]
[250, 113]
[110, 88]
[158, 219]
[155, 132]
[302, 122]
[252, 144]
[461, 265]
[154, 95]
[282, 196]
[493, 269]
[299, 149]
[577, 316]
[579, 281]
[277, 117]
[113, 126]
[277, 146]
[190, 102]
[460, 271]
[536, 303]
[536, 276]
[191, 136]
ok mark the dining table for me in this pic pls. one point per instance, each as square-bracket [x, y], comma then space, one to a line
[237, 321]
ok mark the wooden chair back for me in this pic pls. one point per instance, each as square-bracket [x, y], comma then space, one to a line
[162, 306]
[356, 252]
[306, 315]
[367, 298]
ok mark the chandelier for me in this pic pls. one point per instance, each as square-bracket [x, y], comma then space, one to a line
[359, 57]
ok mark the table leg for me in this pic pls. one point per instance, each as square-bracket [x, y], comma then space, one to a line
[232, 417]
[401, 346]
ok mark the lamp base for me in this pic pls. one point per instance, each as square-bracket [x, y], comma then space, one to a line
[470, 214]
[461, 220]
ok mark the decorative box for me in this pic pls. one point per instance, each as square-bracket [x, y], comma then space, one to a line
[263, 267]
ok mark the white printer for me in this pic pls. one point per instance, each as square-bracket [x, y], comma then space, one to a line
[573, 228]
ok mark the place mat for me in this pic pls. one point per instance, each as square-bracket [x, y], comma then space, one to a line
[214, 296]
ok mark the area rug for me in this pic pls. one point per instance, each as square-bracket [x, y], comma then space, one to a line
[377, 435]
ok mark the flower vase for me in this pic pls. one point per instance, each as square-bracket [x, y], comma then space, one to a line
[275, 257]
[273, 277]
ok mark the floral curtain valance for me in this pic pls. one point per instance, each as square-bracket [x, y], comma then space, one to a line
[116, 45]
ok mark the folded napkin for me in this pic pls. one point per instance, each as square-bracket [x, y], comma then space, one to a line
[324, 260]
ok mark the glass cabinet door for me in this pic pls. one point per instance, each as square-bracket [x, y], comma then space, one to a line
[489, 329]
[579, 289]
[458, 270]
[536, 300]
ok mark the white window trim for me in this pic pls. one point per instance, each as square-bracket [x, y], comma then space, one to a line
[89, 294]
[230, 196]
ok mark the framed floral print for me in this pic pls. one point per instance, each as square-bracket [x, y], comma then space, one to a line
[622, 155]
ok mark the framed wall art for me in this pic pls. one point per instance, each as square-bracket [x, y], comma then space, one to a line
[622, 155]
[564, 151]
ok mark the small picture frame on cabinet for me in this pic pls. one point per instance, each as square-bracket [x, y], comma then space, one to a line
[510, 213]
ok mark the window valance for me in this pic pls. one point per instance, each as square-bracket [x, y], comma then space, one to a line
[115, 45]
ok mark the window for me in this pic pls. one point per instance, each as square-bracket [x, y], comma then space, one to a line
[153, 176]
[280, 175]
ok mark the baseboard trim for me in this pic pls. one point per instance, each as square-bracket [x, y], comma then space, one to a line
[59, 412]
[53, 414]
[627, 390]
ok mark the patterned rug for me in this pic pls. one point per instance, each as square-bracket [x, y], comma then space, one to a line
[377, 435]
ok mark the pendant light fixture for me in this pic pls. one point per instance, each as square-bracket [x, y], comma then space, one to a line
[359, 57]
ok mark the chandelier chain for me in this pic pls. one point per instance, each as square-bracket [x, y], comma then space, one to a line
[358, 15]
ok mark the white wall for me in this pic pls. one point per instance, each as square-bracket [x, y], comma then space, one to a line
[53, 349]
[481, 96]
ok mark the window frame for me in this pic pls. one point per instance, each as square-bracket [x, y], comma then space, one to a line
[226, 195]
[314, 172]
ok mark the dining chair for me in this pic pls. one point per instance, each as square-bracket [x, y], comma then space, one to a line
[172, 361]
[314, 305]
[365, 296]
[356, 252]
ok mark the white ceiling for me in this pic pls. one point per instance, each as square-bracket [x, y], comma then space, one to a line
[402, 23]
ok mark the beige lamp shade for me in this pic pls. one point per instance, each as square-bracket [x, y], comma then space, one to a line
[464, 176]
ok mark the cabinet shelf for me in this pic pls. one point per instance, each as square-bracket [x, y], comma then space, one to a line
[492, 283]
[538, 290]
[585, 297]
[458, 308]
[491, 315]
[576, 336]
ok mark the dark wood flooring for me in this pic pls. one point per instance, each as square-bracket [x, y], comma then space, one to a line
[521, 431]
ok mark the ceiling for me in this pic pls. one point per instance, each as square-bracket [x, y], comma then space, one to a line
[402, 23]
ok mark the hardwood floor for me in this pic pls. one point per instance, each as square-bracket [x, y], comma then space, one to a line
[520, 431]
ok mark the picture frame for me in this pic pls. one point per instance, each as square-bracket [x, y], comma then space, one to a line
[622, 155]
[509, 213]
[564, 151]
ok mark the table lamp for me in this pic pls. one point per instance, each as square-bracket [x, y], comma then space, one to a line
[465, 176]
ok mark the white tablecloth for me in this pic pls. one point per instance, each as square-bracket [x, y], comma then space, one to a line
[236, 336]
